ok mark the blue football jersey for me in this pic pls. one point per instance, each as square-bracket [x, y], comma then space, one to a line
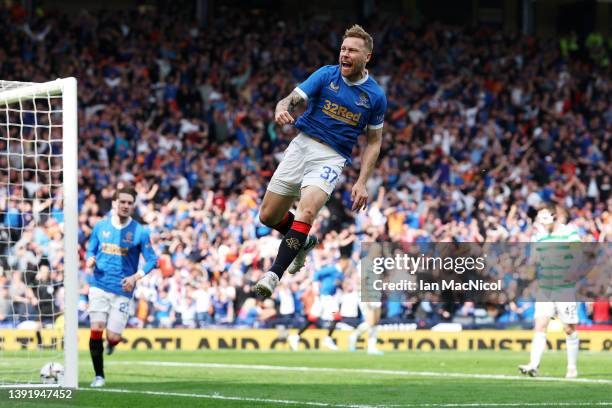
[117, 252]
[329, 276]
[338, 110]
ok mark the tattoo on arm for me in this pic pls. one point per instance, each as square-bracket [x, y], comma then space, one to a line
[290, 102]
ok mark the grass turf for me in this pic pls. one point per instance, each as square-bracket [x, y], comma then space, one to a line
[411, 379]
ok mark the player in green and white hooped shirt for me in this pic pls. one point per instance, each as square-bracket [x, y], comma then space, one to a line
[555, 264]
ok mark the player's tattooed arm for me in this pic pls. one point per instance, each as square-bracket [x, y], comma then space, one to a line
[282, 115]
[290, 102]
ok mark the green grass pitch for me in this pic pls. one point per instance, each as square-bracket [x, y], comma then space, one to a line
[314, 378]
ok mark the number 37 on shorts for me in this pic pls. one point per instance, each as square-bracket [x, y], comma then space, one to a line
[329, 175]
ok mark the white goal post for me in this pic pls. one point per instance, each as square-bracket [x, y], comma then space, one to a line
[21, 106]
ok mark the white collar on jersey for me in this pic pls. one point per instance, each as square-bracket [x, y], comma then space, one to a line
[117, 224]
[359, 82]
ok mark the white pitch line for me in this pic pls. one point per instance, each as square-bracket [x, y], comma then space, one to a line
[325, 404]
[363, 371]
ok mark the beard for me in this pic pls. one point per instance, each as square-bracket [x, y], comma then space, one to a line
[356, 70]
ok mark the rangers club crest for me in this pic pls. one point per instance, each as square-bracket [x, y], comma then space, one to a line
[363, 100]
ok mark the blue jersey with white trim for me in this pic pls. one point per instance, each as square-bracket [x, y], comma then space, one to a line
[329, 276]
[117, 252]
[338, 111]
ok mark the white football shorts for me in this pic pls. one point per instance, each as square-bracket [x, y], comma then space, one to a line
[110, 308]
[329, 307]
[307, 162]
[366, 307]
[567, 312]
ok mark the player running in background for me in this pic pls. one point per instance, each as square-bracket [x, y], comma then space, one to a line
[370, 304]
[350, 306]
[370, 312]
[555, 264]
[326, 281]
[343, 101]
[113, 253]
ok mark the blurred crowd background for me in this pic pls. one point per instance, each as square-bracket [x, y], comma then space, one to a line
[483, 128]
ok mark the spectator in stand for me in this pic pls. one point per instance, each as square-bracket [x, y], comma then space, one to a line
[601, 311]
[470, 150]
[164, 314]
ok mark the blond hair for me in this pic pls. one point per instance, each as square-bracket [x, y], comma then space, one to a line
[357, 31]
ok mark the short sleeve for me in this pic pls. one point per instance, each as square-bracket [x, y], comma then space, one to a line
[312, 86]
[378, 114]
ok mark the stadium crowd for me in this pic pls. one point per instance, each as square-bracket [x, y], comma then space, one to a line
[482, 128]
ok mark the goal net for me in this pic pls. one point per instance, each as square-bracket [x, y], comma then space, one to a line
[38, 230]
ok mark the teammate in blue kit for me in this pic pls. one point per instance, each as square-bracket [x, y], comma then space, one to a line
[328, 279]
[113, 254]
[343, 101]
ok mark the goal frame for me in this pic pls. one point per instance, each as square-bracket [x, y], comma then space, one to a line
[67, 88]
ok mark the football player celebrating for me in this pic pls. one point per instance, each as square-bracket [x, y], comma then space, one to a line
[343, 101]
[113, 253]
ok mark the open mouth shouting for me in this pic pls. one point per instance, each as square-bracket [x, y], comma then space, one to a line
[346, 67]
